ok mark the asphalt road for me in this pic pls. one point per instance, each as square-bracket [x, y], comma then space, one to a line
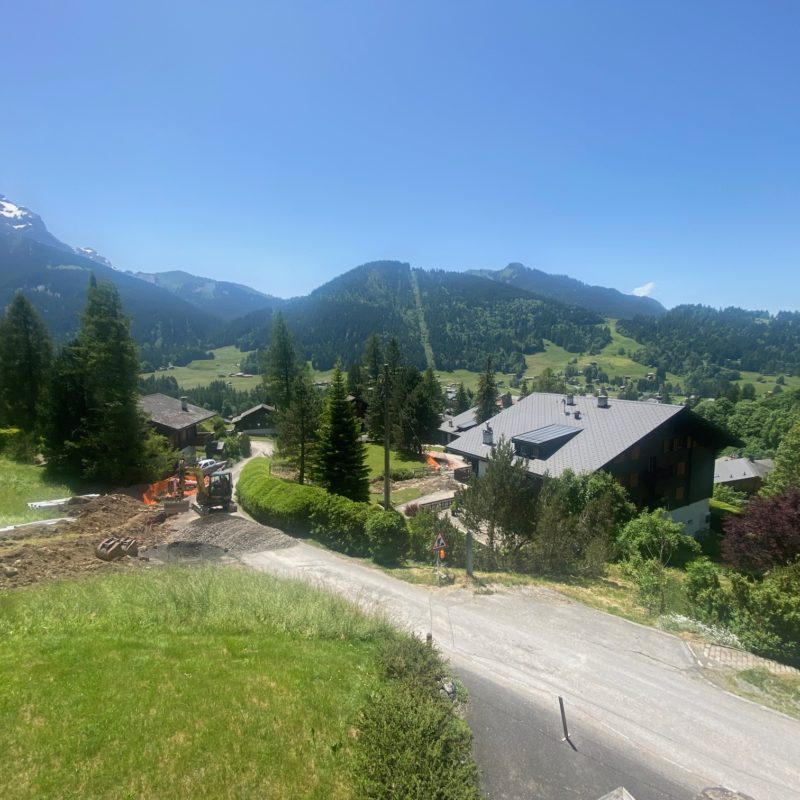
[639, 711]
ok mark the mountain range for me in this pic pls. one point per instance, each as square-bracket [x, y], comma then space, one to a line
[454, 319]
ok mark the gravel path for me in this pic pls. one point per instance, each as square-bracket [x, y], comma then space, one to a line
[233, 533]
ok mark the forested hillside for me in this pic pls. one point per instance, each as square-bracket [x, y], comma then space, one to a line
[690, 336]
[600, 299]
[468, 318]
[165, 327]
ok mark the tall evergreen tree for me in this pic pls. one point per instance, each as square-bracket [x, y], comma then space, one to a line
[340, 462]
[26, 355]
[373, 359]
[281, 367]
[96, 427]
[486, 399]
[298, 423]
[461, 400]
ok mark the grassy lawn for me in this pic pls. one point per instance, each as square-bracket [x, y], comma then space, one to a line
[397, 498]
[181, 683]
[201, 373]
[375, 461]
[767, 382]
[23, 483]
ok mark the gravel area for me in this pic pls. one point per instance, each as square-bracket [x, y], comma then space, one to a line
[232, 534]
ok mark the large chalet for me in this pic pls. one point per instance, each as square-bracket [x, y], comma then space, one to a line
[662, 454]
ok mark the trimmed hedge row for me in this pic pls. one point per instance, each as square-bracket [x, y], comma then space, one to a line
[305, 510]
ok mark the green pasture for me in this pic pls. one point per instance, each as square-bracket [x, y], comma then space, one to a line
[200, 373]
[183, 683]
[23, 483]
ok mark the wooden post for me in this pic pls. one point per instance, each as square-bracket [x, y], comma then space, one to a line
[469, 552]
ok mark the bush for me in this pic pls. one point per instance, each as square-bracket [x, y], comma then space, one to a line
[245, 445]
[18, 445]
[342, 523]
[708, 600]
[304, 510]
[766, 615]
[388, 537]
[233, 449]
[411, 743]
[765, 534]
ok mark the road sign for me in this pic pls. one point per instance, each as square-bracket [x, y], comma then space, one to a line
[440, 543]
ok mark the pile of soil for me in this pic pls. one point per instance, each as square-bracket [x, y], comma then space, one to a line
[67, 549]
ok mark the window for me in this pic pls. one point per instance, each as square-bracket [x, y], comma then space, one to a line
[652, 464]
[679, 493]
[681, 468]
[635, 453]
[634, 480]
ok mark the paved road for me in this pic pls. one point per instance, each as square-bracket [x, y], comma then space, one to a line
[640, 713]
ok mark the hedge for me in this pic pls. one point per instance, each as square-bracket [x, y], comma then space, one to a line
[305, 510]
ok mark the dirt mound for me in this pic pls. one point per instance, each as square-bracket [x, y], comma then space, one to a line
[66, 549]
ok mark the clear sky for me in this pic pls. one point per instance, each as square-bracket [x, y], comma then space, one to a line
[628, 143]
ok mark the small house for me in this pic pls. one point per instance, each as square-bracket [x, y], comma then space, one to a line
[177, 420]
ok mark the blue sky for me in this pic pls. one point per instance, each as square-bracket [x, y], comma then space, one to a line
[622, 142]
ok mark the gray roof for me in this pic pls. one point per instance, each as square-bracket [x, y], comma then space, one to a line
[253, 410]
[461, 422]
[166, 411]
[740, 469]
[601, 433]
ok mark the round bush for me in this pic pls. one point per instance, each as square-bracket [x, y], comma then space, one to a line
[388, 537]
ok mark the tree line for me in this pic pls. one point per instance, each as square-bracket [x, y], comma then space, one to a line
[79, 404]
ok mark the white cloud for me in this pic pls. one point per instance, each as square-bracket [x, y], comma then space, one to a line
[644, 291]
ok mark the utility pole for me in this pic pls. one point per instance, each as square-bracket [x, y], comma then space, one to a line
[386, 481]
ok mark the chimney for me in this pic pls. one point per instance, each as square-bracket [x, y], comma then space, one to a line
[184, 404]
[570, 399]
[602, 401]
[488, 434]
[576, 414]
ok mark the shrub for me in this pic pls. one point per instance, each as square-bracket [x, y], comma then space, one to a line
[388, 537]
[18, 445]
[411, 743]
[304, 509]
[342, 523]
[766, 534]
[245, 445]
[708, 600]
[233, 449]
[766, 614]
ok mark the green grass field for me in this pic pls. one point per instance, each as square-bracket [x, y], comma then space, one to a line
[183, 683]
[375, 461]
[767, 382]
[23, 483]
[201, 373]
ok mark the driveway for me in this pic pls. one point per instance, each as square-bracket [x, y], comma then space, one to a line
[639, 711]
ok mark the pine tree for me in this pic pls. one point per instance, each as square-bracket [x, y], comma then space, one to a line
[281, 365]
[95, 425]
[461, 400]
[298, 424]
[26, 355]
[340, 462]
[486, 399]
